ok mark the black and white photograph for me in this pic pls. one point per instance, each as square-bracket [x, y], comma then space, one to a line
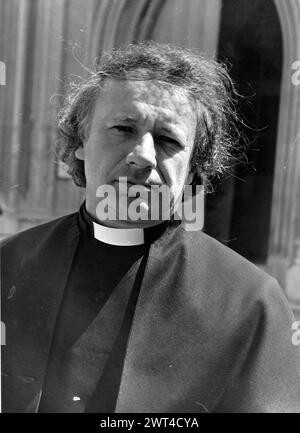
[150, 209]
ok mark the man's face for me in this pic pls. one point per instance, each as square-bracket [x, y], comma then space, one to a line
[141, 131]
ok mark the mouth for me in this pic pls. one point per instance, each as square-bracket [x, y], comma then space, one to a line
[130, 183]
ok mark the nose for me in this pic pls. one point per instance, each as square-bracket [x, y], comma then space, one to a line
[143, 154]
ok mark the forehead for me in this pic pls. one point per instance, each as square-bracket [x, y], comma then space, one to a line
[144, 99]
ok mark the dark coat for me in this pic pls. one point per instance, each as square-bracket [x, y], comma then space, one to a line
[211, 331]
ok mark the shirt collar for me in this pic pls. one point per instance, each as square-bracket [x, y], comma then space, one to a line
[119, 237]
[109, 235]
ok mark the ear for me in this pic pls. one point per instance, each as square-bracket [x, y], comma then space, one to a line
[80, 153]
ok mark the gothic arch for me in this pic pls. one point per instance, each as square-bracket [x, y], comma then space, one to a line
[285, 219]
[127, 21]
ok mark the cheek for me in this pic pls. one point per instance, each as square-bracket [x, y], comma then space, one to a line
[101, 164]
[95, 152]
[175, 171]
[182, 165]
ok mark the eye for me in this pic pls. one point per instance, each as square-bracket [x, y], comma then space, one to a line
[168, 140]
[122, 129]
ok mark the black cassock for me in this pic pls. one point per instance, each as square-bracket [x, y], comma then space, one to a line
[93, 325]
[178, 324]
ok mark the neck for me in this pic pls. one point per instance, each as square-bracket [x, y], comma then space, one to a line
[121, 224]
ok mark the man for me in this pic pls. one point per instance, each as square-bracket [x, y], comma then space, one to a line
[114, 309]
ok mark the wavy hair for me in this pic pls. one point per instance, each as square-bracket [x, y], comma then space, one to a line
[207, 83]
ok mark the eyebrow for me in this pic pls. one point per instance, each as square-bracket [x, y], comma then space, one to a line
[124, 117]
[129, 118]
[175, 131]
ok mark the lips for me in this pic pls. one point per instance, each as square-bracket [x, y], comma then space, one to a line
[130, 183]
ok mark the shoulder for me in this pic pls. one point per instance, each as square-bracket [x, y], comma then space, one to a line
[34, 257]
[220, 274]
[201, 248]
[34, 237]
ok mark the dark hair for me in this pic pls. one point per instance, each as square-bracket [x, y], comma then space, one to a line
[206, 81]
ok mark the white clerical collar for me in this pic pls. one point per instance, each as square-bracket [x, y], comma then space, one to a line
[120, 237]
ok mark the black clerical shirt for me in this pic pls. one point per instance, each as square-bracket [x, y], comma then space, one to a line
[89, 344]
